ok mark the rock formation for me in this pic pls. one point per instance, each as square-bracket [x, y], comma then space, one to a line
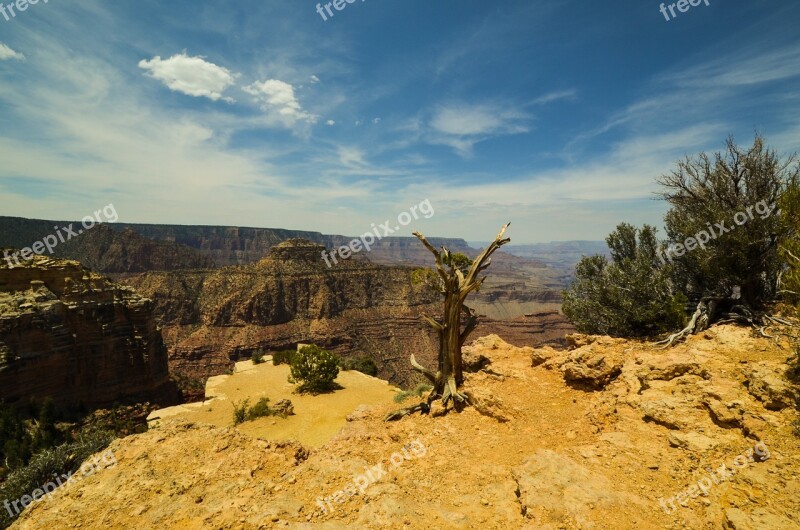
[517, 285]
[213, 318]
[71, 334]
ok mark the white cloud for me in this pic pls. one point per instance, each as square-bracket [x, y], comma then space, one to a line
[351, 157]
[462, 126]
[376, 121]
[193, 76]
[554, 96]
[7, 53]
[330, 122]
[314, 79]
[748, 68]
[278, 99]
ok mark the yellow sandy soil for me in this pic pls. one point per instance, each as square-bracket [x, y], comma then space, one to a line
[317, 418]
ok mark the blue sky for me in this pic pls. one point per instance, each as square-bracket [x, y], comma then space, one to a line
[555, 115]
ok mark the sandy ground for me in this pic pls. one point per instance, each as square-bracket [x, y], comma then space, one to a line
[316, 419]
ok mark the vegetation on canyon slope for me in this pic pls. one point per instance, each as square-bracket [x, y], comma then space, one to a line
[733, 274]
[39, 441]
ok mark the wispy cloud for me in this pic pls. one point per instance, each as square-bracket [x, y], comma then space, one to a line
[745, 68]
[461, 126]
[7, 54]
[555, 96]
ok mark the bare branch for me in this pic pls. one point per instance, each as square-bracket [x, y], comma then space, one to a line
[439, 264]
[483, 256]
[424, 371]
[430, 320]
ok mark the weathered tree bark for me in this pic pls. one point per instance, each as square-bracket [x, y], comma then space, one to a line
[720, 310]
[700, 321]
[455, 287]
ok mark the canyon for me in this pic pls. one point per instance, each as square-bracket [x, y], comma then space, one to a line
[213, 318]
[221, 293]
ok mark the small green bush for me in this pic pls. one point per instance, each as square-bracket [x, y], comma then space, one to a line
[257, 357]
[283, 357]
[259, 410]
[365, 365]
[240, 411]
[315, 369]
[417, 391]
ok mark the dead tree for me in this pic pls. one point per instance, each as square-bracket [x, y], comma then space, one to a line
[455, 286]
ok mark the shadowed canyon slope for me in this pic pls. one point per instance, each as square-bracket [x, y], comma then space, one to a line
[71, 334]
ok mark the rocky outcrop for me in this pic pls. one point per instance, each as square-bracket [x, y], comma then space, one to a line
[593, 365]
[213, 318]
[768, 384]
[533, 453]
[71, 334]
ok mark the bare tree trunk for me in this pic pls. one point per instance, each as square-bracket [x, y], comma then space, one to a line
[455, 287]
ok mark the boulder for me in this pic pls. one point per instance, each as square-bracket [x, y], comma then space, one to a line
[768, 385]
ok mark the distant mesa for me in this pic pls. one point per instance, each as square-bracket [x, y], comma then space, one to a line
[297, 249]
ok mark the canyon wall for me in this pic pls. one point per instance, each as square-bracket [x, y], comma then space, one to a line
[68, 333]
[515, 287]
[213, 318]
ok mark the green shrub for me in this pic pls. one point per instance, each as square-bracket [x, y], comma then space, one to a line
[63, 459]
[365, 365]
[789, 246]
[240, 411]
[315, 369]
[417, 391]
[633, 296]
[259, 410]
[283, 357]
[257, 357]
[710, 188]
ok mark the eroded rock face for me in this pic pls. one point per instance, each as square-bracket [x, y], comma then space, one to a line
[592, 370]
[69, 333]
[213, 318]
[767, 384]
